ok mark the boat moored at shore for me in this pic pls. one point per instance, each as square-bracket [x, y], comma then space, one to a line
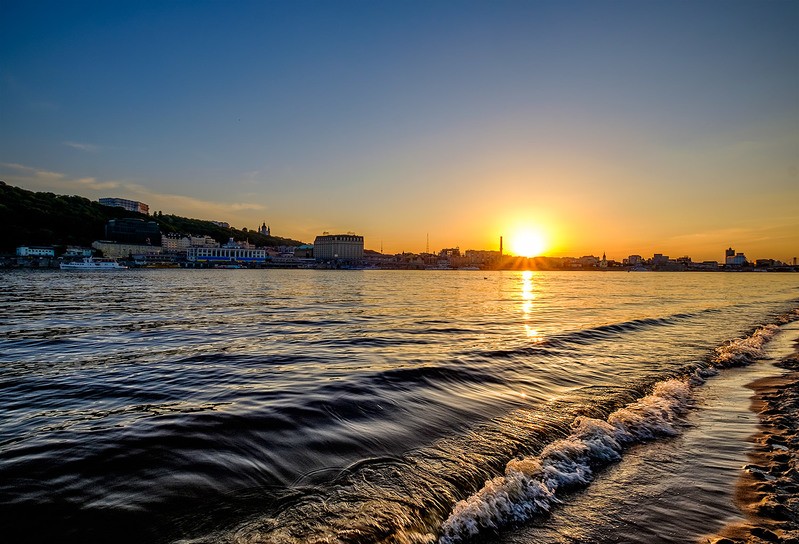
[90, 263]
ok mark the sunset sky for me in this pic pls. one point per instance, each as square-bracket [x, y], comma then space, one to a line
[605, 126]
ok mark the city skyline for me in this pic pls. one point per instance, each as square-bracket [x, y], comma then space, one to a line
[598, 127]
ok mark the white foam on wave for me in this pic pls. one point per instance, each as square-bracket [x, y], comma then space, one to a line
[530, 486]
[742, 351]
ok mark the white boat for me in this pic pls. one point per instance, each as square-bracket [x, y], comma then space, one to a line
[90, 263]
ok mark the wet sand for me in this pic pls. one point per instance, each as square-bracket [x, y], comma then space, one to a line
[768, 491]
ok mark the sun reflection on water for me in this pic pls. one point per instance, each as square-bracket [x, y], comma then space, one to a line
[528, 296]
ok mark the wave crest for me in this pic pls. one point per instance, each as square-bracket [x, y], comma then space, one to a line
[743, 351]
[530, 486]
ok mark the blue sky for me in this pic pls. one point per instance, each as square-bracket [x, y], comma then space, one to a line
[627, 127]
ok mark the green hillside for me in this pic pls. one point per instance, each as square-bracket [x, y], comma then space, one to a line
[30, 218]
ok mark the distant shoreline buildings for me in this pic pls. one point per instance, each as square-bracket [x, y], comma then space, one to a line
[139, 242]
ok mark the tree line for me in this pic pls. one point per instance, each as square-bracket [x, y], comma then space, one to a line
[46, 219]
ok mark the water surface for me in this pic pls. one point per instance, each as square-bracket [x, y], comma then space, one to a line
[299, 405]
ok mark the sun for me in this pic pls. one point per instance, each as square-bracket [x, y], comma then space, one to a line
[527, 243]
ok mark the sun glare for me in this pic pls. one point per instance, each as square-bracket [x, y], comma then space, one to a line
[527, 243]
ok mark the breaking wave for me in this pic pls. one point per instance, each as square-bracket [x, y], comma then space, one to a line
[531, 486]
[745, 350]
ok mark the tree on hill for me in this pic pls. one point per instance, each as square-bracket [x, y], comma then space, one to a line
[31, 218]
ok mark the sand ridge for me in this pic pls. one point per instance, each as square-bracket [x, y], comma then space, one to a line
[768, 491]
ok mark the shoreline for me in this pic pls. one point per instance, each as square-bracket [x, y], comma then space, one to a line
[767, 491]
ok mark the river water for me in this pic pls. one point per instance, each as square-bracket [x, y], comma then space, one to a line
[352, 406]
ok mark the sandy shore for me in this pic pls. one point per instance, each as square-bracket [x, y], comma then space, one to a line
[768, 492]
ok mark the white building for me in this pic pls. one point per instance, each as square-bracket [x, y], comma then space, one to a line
[225, 254]
[35, 251]
[130, 205]
[739, 259]
[202, 241]
[176, 243]
[75, 251]
[345, 247]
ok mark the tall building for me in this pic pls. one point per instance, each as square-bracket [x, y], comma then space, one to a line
[735, 259]
[343, 247]
[130, 205]
[133, 231]
[659, 259]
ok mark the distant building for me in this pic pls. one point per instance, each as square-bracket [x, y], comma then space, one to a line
[449, 253]
[265, 230]
[116, 250]
[731, 258]
[133, 231]
[75, 251]
[739, 259]
[130, 205]
[225, 254]
[344, 247]
[202, 241]
[658, 259]
[634, 260]
[35, 251]
[176, 243]
[222, 224]
[304, 251]
[482, 257]
[587, 261]
[244, 244]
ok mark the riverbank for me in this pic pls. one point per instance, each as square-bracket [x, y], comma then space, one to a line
[768, 491]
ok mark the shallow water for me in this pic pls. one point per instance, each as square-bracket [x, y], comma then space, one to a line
[675, 490]
[358, 406]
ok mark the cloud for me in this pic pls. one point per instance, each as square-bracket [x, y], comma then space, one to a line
[90, 148]
[38, 179]
[92, 183]
[181, 204]
[28, 172]
[247, 206]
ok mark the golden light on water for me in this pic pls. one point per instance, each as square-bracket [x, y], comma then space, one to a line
[528, 296]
